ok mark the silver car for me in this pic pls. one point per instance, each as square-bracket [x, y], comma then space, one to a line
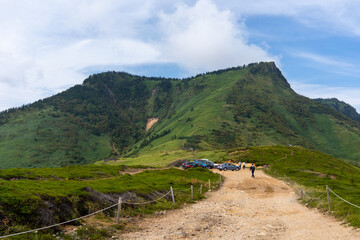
[228, 166]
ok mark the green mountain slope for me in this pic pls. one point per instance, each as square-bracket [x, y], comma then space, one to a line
[107, 115]
[251, 106]
[340, 106]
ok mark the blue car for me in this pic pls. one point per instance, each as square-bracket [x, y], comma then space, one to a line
[204, 163]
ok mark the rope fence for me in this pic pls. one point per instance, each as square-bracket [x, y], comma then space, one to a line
[120, 202]
[328, 191]
[143, 203]
[58, 224]
[208, 184]
[343, 199]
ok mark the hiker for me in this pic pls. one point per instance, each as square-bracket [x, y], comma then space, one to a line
[252, 169]
[239, 165]
[244, 165]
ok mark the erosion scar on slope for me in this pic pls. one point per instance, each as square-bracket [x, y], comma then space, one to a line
[245, 208]
[150, 123]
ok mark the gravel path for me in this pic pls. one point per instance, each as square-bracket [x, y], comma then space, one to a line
[245, 208]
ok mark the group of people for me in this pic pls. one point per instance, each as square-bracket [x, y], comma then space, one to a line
[242, 164]
[252, 168]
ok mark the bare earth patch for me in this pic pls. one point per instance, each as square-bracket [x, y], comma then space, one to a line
[150, 123]
[319, 174]
[245, 208]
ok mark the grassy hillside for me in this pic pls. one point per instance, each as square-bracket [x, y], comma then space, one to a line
[107, 116]
[46, 137]
[31, 198]
[252, 106]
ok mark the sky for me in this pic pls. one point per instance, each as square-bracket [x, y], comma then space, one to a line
[49, 46]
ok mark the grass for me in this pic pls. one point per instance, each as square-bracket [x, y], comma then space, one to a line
[39, 138]
[63, 195]
[65, 173]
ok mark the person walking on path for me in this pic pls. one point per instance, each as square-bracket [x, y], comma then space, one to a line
[244, 165]
[252, 169]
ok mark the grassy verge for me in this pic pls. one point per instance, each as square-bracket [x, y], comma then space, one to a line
[28, 203]
[163, 158]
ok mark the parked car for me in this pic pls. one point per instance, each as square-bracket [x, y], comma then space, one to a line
[187, 165]
[228, 166]
[205, 163]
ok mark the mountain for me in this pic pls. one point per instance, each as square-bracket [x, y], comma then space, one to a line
[108, 115]
[340, 106]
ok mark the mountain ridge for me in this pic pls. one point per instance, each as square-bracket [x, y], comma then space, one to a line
[341, 107]
[251, 105]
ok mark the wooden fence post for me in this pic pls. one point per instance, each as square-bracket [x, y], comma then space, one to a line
[220, 178]
[172, 194]
[209, 185]
[301, 193]
[201, 189]
[192, 192]
[328, 197]
[118, 211]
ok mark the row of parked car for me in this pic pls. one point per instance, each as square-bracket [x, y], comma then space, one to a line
[205, 163]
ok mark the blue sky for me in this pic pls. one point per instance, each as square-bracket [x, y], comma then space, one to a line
[47, 47]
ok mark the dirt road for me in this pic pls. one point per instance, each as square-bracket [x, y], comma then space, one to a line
[245, 208]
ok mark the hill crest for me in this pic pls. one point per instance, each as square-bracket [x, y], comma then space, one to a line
[237, 107]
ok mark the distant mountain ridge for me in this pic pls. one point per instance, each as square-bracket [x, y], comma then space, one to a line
[243, 106]
[340, 106]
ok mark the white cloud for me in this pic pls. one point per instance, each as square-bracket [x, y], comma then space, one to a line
[348, 95]
[330, 15]
[202, 38]
[45, 45]
[329, 64]
[321, 59]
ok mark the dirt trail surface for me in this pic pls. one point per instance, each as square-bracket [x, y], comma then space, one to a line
[245, 208]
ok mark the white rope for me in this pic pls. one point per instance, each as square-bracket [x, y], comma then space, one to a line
[306, 195]
[79, 218]
[295, 185]
[142, 203]
[324, 194]
[58, 224]
[314, 198]
[344, 199]
[178, 190]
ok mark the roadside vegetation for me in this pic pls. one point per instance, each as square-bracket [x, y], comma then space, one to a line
[32, 198]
